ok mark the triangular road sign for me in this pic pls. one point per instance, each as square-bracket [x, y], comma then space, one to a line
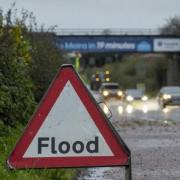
[68, 129]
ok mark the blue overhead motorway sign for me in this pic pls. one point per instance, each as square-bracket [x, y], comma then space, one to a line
[143, 44]
[105, 44]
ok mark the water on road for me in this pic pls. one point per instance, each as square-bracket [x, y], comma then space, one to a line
[155, 147]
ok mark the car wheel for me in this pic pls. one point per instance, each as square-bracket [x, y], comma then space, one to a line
[163, 105]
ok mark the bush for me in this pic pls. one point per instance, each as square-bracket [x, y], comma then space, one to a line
[46, 60]
[16, 88]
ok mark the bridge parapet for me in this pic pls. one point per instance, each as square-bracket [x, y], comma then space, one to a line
[114, 31]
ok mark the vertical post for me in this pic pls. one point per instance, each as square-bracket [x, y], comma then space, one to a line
[128, 171]
[77, 61]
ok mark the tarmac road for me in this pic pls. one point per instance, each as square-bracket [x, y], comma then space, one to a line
[153, 136]
[140, 110]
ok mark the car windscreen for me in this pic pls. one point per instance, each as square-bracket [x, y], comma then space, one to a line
[134, 92]
[111, 87]
[171, 90]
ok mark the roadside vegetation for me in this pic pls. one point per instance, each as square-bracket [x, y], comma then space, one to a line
[28, 62]
[8, 138]
[140, 69]
[131, 70]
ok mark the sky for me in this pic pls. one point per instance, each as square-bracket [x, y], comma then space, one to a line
[101, 14]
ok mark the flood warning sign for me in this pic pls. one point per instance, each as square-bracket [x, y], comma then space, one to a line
[68, 129]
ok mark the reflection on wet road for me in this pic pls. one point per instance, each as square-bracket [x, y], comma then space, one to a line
[138, 110]
[154, 148]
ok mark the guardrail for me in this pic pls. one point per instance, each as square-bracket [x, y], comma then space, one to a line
[115, 31]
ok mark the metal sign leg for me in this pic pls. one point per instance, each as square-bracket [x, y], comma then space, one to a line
[128, 172]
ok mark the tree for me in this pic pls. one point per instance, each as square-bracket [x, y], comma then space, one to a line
[46, 60]
[46, 57]
[16, 88]
[172, 28]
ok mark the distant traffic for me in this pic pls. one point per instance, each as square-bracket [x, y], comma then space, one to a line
[134, 100]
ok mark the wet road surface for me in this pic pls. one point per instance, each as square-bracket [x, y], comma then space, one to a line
[140, 110]
[152, 134]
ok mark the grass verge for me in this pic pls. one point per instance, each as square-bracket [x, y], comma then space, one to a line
[8, 138]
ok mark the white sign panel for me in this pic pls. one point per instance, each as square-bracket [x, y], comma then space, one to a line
[167, 45]
[68, 131]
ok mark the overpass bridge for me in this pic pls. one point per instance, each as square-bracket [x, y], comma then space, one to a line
[119, 41]
[116, 40]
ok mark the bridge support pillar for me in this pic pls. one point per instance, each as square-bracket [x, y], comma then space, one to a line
[173, 72]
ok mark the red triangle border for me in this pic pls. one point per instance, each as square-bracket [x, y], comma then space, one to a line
[118, 147]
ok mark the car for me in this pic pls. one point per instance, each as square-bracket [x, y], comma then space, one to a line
[111, 89]
[135, 94]
[95, 82]
[169, 95]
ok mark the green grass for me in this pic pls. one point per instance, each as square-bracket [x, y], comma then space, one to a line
[8, 138]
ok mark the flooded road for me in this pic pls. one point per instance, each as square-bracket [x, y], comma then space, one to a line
[153, 137]
[140, 110]
[155, 152]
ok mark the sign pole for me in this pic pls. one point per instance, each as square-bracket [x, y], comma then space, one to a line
[128, 171]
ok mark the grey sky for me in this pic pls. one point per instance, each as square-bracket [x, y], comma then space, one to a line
[100, 13]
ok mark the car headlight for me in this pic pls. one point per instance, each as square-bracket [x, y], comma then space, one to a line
[97, 79]
[144, 98]
[107, 79]
[119, 93]
[105, 93]
[166, 96]
[129, 98]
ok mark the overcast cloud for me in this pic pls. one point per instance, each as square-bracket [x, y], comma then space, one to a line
[99, 13]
